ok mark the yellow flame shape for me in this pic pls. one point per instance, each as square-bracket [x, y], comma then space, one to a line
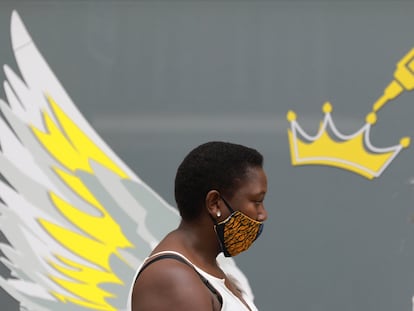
[102, 235]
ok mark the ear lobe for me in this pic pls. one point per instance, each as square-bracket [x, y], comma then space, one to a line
[212, 202]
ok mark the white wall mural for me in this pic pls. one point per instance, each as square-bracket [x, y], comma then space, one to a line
[152, 79]
[78, 221]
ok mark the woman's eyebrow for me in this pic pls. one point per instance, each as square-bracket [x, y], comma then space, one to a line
[260, 193]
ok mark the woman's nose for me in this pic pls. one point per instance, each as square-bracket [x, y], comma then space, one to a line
[262, 214]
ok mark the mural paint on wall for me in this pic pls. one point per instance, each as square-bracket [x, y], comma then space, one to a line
[353, 152]
[78, 221]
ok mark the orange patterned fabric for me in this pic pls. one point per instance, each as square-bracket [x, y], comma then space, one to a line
[237, 233]
[240, 234]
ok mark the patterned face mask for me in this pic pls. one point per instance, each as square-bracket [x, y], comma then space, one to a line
[237, 232]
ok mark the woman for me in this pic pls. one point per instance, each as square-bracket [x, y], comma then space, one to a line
[219, 190]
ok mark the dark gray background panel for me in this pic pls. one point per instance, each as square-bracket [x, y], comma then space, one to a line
[156, 78]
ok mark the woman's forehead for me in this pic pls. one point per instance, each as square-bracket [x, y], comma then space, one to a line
[255, 179]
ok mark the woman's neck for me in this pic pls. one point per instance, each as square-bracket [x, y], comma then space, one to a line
[200, 237]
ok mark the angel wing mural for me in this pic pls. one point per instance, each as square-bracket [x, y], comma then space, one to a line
[77, 220]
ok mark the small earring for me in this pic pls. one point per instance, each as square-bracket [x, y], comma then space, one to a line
[218, 214]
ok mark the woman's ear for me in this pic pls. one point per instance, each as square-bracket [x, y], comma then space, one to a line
[213, 203]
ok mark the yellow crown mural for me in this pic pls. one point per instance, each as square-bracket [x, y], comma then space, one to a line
[354, 152]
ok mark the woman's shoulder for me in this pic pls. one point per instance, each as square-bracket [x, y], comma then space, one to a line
[173, 280]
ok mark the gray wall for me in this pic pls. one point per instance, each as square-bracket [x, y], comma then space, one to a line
[156, 78]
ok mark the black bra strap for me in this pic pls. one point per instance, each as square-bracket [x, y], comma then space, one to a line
[179, 258]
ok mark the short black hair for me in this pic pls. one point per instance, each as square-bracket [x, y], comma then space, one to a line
[214, 165]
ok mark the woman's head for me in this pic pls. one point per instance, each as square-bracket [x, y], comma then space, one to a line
[219, 166]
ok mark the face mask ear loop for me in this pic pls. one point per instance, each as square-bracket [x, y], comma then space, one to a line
[227, 205]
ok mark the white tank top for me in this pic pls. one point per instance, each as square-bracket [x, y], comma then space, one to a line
[230, 301]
